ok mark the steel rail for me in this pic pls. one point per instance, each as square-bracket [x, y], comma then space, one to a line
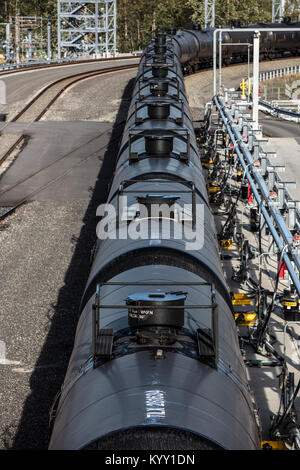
[71, 79]
[78, 77]
[23, 67]
[247, 161]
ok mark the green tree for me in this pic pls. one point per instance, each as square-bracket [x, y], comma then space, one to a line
[227, 10]
[138, 19]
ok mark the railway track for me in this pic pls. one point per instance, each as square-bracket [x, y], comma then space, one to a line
[39, 105]
[86, 61]
[62, 64]
[36, 108]
[10, 210]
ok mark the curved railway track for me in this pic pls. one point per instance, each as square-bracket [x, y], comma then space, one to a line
[37, 107]
[62, 64]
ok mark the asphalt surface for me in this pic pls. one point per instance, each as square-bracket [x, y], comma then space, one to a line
[280, 128]
[284, 140]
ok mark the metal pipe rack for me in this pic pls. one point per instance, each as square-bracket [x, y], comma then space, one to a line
[270, 210]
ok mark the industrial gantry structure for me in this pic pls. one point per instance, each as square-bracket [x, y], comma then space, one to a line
[86, 28]
[280, 7]
[209, 12]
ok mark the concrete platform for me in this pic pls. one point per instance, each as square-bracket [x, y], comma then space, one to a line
[288, 154]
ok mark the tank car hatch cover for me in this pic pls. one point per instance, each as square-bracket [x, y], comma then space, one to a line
[158, 199]
[156, 308]
[160, 310]
[159, 88]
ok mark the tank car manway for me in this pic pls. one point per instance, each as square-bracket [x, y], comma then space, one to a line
[36, 108]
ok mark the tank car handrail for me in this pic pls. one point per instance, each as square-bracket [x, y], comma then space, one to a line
[167, 180]
[191, 191]
[138, 105]
[180, 133]
[160, 64]
[206, 339]
[156, 80]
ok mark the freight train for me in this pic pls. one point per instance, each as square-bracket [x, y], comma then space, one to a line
[197, 44]
[156, 363]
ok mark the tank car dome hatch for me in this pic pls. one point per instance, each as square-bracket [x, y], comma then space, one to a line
[159, 71]
[160, 59]
[171, 31]
[160, 39]
[197, 27]
[168, 199]
[158, 145]
[156, 309]
[159, 88]
[158, 110]
[160, 48]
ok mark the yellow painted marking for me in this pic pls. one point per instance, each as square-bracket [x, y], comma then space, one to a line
[213, 188]
[243, 88]
[210, 163]
[275, 445]
[226, 244]
[241, 299]
[240, 295]
[245, 319]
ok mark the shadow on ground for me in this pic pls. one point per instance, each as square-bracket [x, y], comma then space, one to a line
[33, 431]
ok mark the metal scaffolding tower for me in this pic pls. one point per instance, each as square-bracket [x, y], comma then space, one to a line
[209, 19]
[294, 9]
[278, 10]
[86, 27]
